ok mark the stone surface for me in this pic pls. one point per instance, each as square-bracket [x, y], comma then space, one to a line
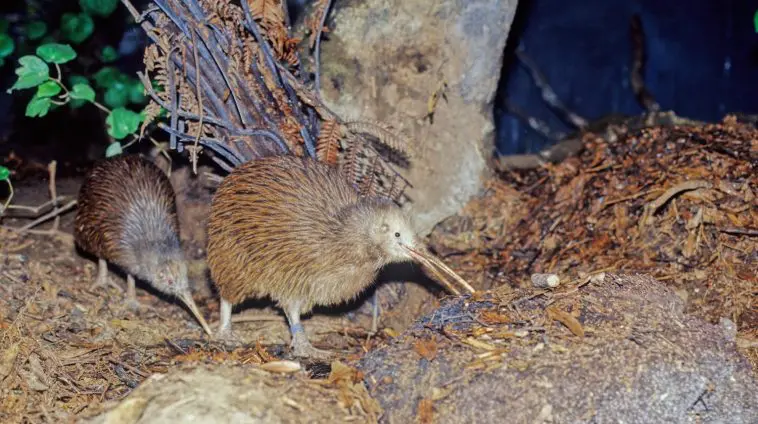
[641, 360]
[237, 394]
[384, 59]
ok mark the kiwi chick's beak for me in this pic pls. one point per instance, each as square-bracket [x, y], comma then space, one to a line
[438, 268]
[186, 297]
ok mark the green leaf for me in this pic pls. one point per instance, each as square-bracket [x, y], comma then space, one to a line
[117, 95]
[56, 53]
[137, 92]
[109, 54]
[76, 27]
[107, 76]
[5, 173]
[48, 88]
[122, 122]
[77, 79]
[82, 92]
[6, 45]
[114, 149]
[73, 81]
[35, 30]
[38, 107]
[101, 8]
[755, 21]
[32, 72]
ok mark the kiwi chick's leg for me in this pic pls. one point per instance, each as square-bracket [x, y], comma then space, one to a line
[375, 311]
[301, 347]
[103, 279]
[131, 293]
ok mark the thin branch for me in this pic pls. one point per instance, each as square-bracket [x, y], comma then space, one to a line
[317, 51]
[547, 92]
[541, 127]
[210, 143]
[267, 55]
[644, 97]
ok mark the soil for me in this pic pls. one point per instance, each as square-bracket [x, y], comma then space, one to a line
[68, 352]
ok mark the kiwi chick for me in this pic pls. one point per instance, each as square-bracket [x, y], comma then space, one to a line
[294, 229]
[126, 215]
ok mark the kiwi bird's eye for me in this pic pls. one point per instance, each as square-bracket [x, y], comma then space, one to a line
[397, 234]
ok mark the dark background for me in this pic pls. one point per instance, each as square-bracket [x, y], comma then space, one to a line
[702, 62]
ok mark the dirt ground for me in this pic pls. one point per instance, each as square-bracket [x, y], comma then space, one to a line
[66, 349]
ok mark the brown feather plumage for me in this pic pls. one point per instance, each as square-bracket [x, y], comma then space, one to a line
[116, 194]
[127, 216]
[293, 228]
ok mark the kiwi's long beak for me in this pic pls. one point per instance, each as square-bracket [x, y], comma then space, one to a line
[438, 268]
[186, 297]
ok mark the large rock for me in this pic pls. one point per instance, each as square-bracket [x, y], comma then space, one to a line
[241, 394]
[383, 61]
[505, 358]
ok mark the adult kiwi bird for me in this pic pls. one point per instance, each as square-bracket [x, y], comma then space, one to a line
[126, 215]
[293, 228]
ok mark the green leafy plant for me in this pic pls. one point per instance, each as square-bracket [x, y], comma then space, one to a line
[34, 72]
[77, 27]
[119, 95]
[5, 175]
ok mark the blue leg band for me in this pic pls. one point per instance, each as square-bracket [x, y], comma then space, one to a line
[297, 328]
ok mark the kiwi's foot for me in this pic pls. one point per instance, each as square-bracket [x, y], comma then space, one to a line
[134, 305]
[225, 334]
[302, 348]
[103, 283]
[103, 280]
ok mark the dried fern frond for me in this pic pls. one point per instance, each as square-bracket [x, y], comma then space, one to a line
[382, 133]
[328, 145]
[226, 74]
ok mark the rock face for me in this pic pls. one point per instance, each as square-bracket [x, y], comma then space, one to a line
[631, 356]
[239, 394]
[383, 61]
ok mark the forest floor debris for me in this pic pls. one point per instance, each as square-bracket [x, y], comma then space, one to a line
[678, 203]
[67, 352]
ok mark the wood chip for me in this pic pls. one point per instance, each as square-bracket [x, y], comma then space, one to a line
[427, 349]
[284, 367]
[566, 319]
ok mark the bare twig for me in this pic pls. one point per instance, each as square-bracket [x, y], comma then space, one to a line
[644, 97]
[539, 126]
[547, 92]
[750, 232]
[317, 50]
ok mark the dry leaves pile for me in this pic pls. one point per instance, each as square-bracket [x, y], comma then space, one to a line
[233, 84]
[678, 203]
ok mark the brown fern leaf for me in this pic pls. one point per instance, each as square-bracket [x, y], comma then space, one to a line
[368, 186]
[328, 144]
[382, 133]
[152, 110]
[312, 22]
[350, 159]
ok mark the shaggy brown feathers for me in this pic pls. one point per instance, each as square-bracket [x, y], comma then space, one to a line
[126, 205]
[291, 228]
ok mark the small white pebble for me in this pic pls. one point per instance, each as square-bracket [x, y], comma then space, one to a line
[545, 281]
